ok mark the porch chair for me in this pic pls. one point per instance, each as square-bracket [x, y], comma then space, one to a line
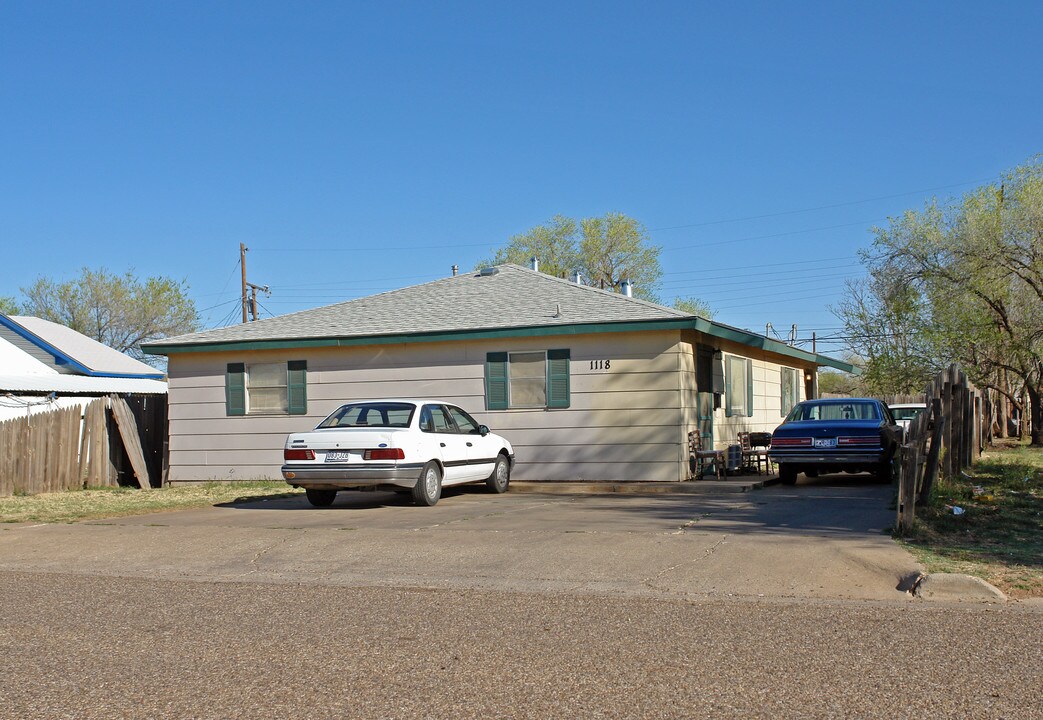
[699, 460]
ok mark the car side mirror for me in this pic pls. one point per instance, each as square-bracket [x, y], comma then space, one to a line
[483, 430]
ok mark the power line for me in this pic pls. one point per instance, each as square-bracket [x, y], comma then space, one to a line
[793, 262]
[219, 305]
[744, 277]
[814, 209]
[773, 235]
[228, 280]
[772, 300]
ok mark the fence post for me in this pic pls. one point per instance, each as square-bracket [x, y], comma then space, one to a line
[930, 474]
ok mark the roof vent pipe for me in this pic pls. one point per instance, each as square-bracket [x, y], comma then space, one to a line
[534, 263]
[456, 269]
[628, 288]
[577, 277]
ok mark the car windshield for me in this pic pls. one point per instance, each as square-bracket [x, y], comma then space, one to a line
[835, 411]
[906, 413]
[371, 414]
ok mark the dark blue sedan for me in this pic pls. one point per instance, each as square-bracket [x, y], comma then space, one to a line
[837, 435]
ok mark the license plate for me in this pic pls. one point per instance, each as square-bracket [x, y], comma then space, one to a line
[337, 456]
[825, 442]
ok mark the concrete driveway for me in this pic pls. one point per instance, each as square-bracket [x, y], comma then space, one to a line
[821, 539]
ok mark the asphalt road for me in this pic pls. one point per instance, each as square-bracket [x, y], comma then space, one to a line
[776, 604]
[814, 541]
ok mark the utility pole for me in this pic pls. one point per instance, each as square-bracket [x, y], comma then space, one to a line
[253, 297]
[249, 303]
[242, 263]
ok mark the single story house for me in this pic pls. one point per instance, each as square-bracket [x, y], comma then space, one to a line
[587, 384]
[47, 366]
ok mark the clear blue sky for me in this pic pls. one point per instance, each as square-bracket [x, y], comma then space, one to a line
[357, 148]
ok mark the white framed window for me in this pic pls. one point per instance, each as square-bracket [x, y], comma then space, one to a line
[527, 376]
[790, 390]
[738, 386]
[530, 379]
[266, 389]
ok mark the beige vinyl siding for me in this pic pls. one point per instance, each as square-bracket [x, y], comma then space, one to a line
[767, 389]
[624, 423]
[689, 400]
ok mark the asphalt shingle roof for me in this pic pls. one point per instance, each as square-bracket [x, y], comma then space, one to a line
[514, 297]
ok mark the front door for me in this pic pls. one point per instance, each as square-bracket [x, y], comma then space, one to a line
[704, 395]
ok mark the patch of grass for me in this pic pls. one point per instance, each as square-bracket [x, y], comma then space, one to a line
[999, 536]
[94, 503]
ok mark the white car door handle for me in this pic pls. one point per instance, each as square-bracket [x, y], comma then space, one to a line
[442, 444]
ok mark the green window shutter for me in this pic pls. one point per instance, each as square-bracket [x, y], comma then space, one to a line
[558, 378]
[297, 386]
[749, 388]
[728, 387]
[235, 389]
[496, 381]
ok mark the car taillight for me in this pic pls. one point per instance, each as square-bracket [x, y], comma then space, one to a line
[385, 454]
[297, 454]
[858, 441]
[790, 442]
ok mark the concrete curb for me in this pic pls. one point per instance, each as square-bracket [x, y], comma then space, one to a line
[954, 586]
[695, 487]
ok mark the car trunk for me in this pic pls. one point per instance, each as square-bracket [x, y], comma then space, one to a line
[832, 428]
[343, 445]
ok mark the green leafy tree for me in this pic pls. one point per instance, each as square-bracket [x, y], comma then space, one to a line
[836, 382]
[966, 281]
[605, 250]
[885, 324]
[8, 306]
[615, 248]
[695, 306]
[554, 243]
[120, 311]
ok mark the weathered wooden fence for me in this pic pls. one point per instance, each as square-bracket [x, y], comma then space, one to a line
[948, 437]
[108, 442]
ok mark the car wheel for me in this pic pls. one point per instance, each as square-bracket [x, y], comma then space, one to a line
[428, 486]
[787, 474]
[320, 498]
[501, 477]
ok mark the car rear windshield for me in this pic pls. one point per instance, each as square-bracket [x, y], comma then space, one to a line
[835, 411]
[371, 414]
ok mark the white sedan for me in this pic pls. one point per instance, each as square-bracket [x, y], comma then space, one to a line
[414, 445]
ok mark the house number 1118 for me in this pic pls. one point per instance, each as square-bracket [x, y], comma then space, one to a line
[600, 364]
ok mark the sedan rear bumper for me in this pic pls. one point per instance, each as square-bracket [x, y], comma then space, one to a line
[331, 477]
[857, 458]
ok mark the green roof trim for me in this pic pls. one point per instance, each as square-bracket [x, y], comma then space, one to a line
[702, 325]
[538, 331]
[745, 337]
